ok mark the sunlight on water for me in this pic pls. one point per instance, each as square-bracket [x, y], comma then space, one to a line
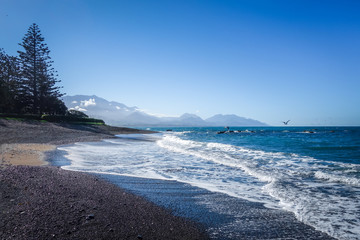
[322, 192]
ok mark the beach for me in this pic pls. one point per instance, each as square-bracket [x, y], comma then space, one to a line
[45, 202]
[41, 200]
[205, 181]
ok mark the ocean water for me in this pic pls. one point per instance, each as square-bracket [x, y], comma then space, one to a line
[311, 172]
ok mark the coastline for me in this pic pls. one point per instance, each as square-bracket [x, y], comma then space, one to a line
[224, 217]
[46, 202]
[26, 142]
[50, 203]
[69, 202]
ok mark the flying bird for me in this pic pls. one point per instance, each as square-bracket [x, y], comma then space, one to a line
[286, 123]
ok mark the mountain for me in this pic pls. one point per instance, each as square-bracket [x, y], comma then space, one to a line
[118, 114]
[232, 120]
[141, 119]
[188, 119]
[113, 113]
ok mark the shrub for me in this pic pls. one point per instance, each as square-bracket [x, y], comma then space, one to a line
[54, 118]
[71, 118]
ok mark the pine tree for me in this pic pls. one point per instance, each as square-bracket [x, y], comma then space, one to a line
[9, 83]
[39, 79]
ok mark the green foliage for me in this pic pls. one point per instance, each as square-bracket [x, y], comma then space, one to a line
[72, 119]
[73, 112]
[28, 88]
[9, 83]
[20, 117]
[38, 77]
[53, 118]
[28, 82]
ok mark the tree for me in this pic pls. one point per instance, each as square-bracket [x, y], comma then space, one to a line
[38, 78]
[9, 83]
[76, 113]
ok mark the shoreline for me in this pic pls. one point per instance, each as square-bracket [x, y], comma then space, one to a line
[15, 131]
[179, 204]
[27, 142]
[224, 217]
[46, 202]
[38, 201]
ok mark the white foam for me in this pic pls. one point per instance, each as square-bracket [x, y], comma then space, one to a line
[284, 177]
[337, 178]
[277, 179]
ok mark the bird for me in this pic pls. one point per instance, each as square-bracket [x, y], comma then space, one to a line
[286, 123]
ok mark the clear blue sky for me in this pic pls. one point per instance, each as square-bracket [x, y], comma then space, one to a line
[262, 59]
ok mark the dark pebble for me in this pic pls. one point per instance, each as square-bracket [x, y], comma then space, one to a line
[68, 214]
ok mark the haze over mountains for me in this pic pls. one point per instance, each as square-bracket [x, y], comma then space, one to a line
[118, 114]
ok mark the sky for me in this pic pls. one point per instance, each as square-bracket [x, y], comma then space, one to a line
[269, 60]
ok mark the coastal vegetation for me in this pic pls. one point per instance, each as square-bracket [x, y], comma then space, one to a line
[69, 118]
[29, 85]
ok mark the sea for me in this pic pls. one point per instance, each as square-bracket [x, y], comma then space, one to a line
[312, 172]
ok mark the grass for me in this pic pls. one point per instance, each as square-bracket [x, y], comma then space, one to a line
[12, 118]
[44, 121]
[87, 123]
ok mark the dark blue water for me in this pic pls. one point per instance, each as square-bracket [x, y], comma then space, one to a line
[312, 172]
[328, 143]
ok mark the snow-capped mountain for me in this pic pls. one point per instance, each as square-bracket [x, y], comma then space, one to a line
[118, 114]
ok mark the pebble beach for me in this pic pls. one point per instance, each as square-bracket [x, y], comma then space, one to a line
[38, 201]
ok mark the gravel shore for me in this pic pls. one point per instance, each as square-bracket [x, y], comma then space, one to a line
[51, 203]
[46, 202]
[12, 131]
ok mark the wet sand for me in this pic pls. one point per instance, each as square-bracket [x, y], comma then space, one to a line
[46, 202]
[25, 142]
[51, 203]
[224, 217]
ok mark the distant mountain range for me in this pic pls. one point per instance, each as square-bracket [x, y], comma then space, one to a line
[118, 114]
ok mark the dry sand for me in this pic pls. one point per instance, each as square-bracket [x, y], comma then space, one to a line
[24, 154]
[46, 202]
[25, 142]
